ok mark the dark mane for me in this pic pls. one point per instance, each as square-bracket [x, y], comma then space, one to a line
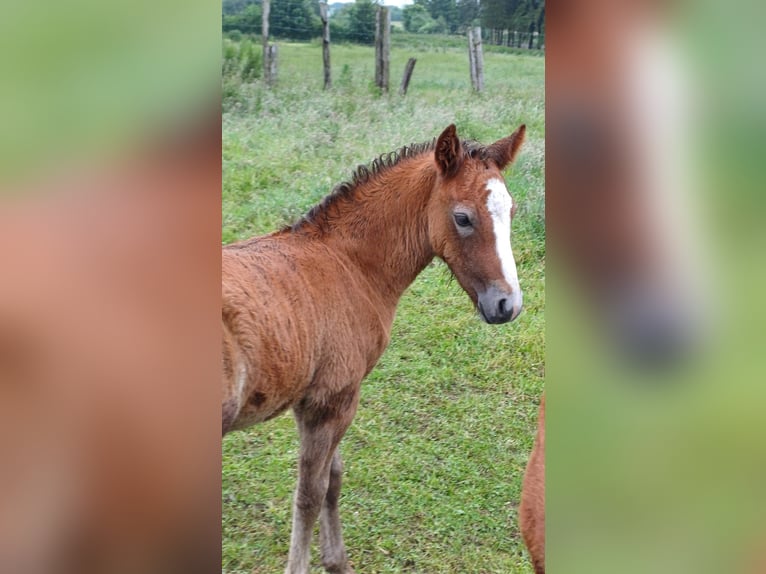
[381, 164]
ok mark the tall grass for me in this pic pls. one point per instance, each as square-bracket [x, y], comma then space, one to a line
[241, 64]
[435, 456]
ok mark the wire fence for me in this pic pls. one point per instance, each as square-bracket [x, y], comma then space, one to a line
[507, 38]
[340, 32]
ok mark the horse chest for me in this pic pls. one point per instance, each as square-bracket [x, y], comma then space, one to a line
[353, 348]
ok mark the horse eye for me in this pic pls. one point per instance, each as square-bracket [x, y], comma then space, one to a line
[462, 220]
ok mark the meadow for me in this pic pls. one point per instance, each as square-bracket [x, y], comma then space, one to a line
[435, 456]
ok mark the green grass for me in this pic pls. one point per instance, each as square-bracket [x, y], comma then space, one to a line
[436, 453]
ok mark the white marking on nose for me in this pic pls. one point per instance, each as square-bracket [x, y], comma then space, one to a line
[499, 204]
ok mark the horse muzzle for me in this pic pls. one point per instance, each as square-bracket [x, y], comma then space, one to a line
[497, 306]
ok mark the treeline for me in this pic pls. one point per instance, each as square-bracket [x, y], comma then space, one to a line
[519, 23]
[510, 22]
[299, 19]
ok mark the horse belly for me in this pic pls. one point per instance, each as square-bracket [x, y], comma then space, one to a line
[266, 395]
[264, 374]
[259, 408]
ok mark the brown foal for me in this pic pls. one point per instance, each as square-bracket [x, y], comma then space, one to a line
[307, 311]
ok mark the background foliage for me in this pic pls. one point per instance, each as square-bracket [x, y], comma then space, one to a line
[510, 22]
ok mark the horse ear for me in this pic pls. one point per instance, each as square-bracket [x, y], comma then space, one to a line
[448, 152]
[504, 151]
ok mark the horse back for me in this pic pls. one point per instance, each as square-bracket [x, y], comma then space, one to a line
[297, 326]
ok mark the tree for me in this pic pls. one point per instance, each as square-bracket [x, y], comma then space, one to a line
[444, 9]
[361, 21]
[294, 19]
[541, 27]
[467, 12]
[523, 16]
[287, 18]
[230, 7]
[247, 20]
[415, 16]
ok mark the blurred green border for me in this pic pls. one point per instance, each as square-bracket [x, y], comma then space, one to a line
[85, 78]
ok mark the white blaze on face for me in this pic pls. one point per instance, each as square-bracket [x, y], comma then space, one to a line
[499, 204]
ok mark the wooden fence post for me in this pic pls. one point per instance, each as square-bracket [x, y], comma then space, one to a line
[273, 53]
[382, 46]
[476, 58]
[479, 60]
[471, 58]
[407, 75]
[325, 44]
[265, 39]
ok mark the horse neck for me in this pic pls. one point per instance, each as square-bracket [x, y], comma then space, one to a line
[383, 228]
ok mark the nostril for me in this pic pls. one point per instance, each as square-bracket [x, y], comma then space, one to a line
[501, 306]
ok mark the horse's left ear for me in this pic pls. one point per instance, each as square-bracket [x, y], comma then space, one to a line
[448, 152]
[504, 151]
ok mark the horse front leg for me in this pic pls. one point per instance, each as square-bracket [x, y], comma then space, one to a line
[334, 557]
[320, 433]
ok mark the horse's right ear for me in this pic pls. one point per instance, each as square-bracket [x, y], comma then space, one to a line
[448, 152]
[504, 151]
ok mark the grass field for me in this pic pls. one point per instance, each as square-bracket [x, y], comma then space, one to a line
[435, 456]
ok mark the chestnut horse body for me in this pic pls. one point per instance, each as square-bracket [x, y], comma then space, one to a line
[307, 311]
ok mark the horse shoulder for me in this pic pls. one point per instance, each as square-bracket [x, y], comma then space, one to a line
[371, 315]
